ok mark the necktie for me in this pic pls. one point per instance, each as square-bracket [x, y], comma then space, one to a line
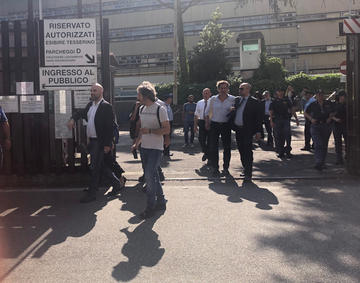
[205, 109]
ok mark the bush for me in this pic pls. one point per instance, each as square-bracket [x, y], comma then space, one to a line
[328, 83]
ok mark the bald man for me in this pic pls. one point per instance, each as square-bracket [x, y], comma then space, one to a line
[100, 133]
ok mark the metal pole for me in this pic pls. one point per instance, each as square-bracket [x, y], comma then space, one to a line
[350, 10]
[30, 10]
[79, 8]
[101, 37]
[40, 10]
[175, 65]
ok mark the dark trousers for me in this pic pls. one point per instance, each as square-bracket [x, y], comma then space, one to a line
[339, 131]
[1, 157]
[244, 144]
[269, 129]
[167, 149]
[307, 133]
[189, 126]
[203, 137]
[282, 134]
[99, 168]
[216, 130]
[320, 134]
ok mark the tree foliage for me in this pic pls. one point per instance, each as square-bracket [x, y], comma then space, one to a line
[209, 61]
[273, 4]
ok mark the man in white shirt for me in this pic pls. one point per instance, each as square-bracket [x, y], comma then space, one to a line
[199, 120]
[217, 121]
[100, 133]
[154, 124]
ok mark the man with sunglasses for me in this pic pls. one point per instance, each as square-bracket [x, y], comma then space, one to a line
[247, 123]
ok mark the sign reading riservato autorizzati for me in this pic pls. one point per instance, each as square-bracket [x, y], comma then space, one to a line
[70, 42]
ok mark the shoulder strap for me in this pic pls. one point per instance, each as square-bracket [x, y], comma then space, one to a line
[158, 115]
[141, 108]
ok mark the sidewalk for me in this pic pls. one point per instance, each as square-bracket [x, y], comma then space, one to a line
[186, 162]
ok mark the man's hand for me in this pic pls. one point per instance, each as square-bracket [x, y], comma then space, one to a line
[258, 136]
[71, 124]
[7, 144]
[144, 131]
[134, 147]
[107, 149]
[195, 129]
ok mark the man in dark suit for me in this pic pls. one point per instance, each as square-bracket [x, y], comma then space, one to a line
[100, 132]
[247, 123]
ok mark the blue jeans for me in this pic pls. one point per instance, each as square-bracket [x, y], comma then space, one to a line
[320, 134]
[151, 160]
[282, 134]
[189, 126]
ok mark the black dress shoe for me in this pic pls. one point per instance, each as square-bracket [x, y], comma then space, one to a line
[204, 157]
[281, 155]
[289, 155]
[318, 167]
[147, 213]
[88, 198]
[306, 148]
[216, 173]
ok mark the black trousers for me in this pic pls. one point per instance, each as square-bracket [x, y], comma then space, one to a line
[339, 131]
[99, 167]
[224, 131]
[167, 149]
[307, 133]
[203, 137]
[269, 130]
[244, 144]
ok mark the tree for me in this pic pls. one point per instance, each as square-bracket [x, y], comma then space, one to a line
[209, 60]
[274, 4]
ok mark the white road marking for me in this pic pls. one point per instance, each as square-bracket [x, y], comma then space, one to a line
[8, 211]
[39, 210]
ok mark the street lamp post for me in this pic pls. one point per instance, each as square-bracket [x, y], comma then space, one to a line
[175, 65]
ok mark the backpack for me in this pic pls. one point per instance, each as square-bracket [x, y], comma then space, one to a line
[157, 113]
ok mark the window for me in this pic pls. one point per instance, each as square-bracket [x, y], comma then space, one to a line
[250, 45]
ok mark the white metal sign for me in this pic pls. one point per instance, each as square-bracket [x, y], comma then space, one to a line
[32, 104]
[63, 105]
[67, 78]
[81, 98]
[24, 88]
[10, 104]
[70, 42]
[352, 26]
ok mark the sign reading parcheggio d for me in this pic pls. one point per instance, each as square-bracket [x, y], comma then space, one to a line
[70, 42]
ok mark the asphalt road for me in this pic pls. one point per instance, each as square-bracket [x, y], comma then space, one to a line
[303, 229]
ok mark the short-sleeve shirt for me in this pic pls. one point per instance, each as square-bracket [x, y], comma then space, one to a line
[189, 111]
[320, 114]
[3, 117]
[149, 119]
[282, 108]
[220, 109]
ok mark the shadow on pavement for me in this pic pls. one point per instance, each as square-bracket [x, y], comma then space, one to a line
[326, 229]
[263, 198]
[143, 247]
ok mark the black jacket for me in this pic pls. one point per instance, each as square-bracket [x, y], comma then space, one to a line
[104, 121]
[253, 116]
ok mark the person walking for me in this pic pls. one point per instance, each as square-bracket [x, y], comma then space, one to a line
[5, 133]
[151, 138]
[217, 121]
[265, 105]
[247, 123]
[320, 113]
[281, 110]
[188, 119]
[339, 127]
[199, 123]
[167, 104]
[100, 132]
[309, 97]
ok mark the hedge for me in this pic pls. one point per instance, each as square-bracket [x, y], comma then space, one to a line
[328, 83]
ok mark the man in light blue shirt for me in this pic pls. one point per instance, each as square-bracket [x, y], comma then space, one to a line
[309, 97]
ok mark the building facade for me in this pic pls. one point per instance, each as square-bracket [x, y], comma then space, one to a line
[305, 36]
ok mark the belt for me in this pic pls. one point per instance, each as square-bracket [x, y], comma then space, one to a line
[93, 139]
[220, 123]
